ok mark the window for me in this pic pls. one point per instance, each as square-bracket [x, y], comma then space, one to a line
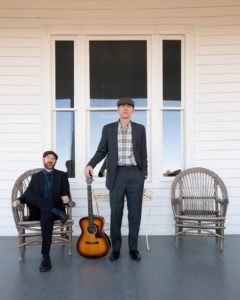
[172, 107]
[110, 69]
[64, 104]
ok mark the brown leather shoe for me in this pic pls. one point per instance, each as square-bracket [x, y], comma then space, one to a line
[114, 255]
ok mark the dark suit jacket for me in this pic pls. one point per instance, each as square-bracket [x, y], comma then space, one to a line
[109, 146]
[60, 187]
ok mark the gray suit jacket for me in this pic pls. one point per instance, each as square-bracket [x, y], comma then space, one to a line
[108, 145]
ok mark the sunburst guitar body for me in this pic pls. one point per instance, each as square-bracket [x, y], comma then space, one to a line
[93, 242]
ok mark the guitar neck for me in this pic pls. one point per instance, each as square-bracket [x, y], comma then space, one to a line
[90, 207]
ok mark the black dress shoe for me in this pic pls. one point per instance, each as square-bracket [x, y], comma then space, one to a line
[63, 218]
[114, 255]
[135, 255]
[45, 264]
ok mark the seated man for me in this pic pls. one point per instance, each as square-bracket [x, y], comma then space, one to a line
[46, 196]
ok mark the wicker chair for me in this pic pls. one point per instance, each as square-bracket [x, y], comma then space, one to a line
[199, 201]
[29, 232]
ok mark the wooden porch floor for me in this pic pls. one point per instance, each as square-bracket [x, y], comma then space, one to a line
[197, 270]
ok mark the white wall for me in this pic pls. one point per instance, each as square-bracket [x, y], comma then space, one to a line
[216, 89]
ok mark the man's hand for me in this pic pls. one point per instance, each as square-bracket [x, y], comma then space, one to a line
[88, 172]
[16, 203]
[65, 199]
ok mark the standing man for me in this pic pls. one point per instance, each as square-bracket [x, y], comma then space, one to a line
[124, 143]
[46, 196]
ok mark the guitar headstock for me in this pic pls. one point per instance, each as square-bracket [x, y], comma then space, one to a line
[89, 180]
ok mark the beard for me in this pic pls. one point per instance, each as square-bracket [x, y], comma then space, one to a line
[49, 165]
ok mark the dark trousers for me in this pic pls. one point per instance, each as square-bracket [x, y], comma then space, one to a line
[40, 209]
[129, 182]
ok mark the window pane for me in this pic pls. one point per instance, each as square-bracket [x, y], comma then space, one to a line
[64, 70]
[171, 142]
[118, 69]
[99, 119]
[171, 73]
[65, 142]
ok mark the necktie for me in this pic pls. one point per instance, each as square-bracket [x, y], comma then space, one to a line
[49, 183]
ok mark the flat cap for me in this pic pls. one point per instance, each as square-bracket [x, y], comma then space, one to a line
[126, 100]
[46, 153]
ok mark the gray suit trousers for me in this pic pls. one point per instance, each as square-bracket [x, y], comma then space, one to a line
[129, 183]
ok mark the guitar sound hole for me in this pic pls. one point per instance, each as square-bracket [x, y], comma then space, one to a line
[92, 229]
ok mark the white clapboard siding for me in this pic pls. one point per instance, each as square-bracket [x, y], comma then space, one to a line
[222, 59]
[217, 136]
[217, 145]
[218, 30]
[217, 108]
[217, 78]
[218, 126]
[20, 71]
[124, 13]
[215, 43]
[217, 69]
[224, 173]
[20, 128]
[218, 116]
[219, 163]
[20, 61]
[27, 33]
[20, 109]
[20, 99]
[213, 40]
[20, 80]
[218, 154]
[20, 51]
[20, 42]
[12, 118]
[217, 97]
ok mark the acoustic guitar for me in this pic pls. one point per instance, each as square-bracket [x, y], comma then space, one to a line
[93, 242]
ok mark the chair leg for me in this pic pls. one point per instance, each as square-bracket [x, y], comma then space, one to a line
[222, 238]
[176, 235]
[199, 226]
[21, 250]
[70, 240]
[218, 232]
[70, 248]
[63, 235]
[221, 244]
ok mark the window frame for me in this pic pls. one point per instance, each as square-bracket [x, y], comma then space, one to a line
[54, 109]
[154, 35]
[180, 109]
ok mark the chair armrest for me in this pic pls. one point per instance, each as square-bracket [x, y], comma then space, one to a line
[71, 203]
[20, 207]
[18, 213]
[222, 201]
[69, 206]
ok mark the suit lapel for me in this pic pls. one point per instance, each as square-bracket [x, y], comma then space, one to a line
[56, 182]
[114, 138]
[41, 182]
[133, 134]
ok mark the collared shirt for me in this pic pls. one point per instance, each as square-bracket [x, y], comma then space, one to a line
[125, 147]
